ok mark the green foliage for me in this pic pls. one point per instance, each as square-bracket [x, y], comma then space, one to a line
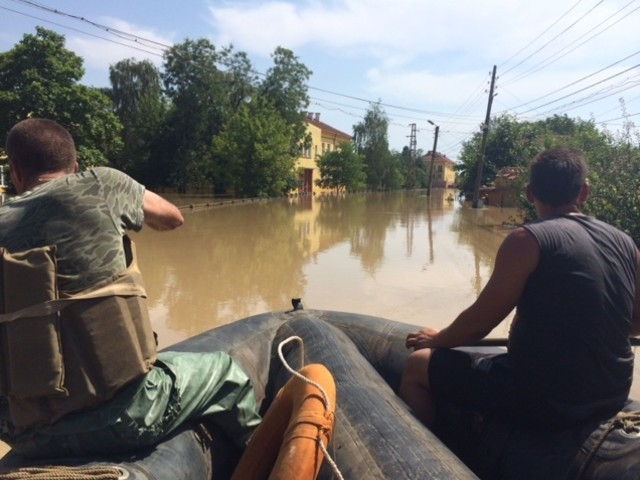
[136, 92]
[384, 172]
[39, 78]
[252, 154]
[615, 183]
[286, 88]
[195, 85]
[414, 171]
[614, 163]
[342, 169]
[509, 144]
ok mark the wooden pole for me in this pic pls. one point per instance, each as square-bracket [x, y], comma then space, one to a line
[485, 133]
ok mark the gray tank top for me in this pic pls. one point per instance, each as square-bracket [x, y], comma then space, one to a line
[570, 340]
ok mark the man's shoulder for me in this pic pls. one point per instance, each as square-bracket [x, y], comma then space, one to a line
[108, 173]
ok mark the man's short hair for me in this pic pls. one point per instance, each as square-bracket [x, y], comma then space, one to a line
[37, 145]
[557, 176]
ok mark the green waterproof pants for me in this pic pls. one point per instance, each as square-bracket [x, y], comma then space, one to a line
[180, 387]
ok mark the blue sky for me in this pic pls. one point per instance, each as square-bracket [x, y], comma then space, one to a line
[423, 59]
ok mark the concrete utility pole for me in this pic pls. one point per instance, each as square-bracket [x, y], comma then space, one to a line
[433, 157]
[485, 133]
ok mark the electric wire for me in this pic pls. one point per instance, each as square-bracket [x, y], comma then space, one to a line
[582, 89]
[445, 118]
[554, 38]
[127, 36]
[80, 31]
[114, 31]
[575, 82]
[540, 35]
[541, 65]
[595, 97]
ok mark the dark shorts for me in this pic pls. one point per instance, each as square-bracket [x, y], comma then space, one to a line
[485, 384]
[494, 424]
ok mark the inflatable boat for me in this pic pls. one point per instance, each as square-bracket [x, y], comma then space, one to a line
[375, 436]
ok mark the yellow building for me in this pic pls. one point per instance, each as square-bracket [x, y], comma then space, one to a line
[324, 138]
[444, 173]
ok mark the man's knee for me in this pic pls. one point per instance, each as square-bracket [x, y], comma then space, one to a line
[416, 369]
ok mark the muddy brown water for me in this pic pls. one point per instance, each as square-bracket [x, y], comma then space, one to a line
[403, 256]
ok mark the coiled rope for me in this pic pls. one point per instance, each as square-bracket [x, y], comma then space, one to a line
[64, 473]
[327, 403]
[629, 422]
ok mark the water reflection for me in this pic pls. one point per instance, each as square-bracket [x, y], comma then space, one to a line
[404, 256]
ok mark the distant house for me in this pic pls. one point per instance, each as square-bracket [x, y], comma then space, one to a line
[444, 173]
[324, 138]
[503, 193]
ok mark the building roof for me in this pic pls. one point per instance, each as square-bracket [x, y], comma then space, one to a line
[509, 173]
[325, 128]
[439, 158]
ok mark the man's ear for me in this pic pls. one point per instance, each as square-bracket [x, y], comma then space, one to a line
[16, 177]
[583, 196]
[529, 193]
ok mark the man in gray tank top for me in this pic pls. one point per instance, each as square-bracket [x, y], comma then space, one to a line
[574, 282]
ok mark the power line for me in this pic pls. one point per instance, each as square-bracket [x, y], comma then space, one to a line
[456, 117]
[595, 97]
[576, 82]
[539, 66]
[554, 38]
[619, 118]
[135, 38]
[541, 34]
[583, 89]
[80, 31]
[114, 31]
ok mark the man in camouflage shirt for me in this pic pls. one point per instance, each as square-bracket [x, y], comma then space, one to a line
[85, 217]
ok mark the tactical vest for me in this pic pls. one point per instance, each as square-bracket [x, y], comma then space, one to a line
[60, 353]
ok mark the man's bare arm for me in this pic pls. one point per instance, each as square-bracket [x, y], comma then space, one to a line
[517, 258]
[159, 213]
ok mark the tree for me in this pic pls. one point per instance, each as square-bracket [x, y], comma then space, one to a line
[342, 169]
[252, 154]
[239, 76]
[136, 92]
[509, 144]
[199, 108]
[371, 140]
[286, 88]
[614, 163]
[39, 78]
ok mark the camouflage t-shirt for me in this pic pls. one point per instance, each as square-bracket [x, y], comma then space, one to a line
[84, 215]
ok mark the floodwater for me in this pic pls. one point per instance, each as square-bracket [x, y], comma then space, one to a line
[402, 256]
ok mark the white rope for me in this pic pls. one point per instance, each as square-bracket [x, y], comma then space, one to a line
[327, 402]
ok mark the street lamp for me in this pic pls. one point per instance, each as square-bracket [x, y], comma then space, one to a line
[433, 157]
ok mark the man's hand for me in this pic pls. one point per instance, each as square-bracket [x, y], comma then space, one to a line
[421, 339]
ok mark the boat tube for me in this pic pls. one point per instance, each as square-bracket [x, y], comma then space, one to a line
[375, 436]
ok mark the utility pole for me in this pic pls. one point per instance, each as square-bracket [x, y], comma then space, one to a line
[433, 157]
[485, 133]
[412, 155]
